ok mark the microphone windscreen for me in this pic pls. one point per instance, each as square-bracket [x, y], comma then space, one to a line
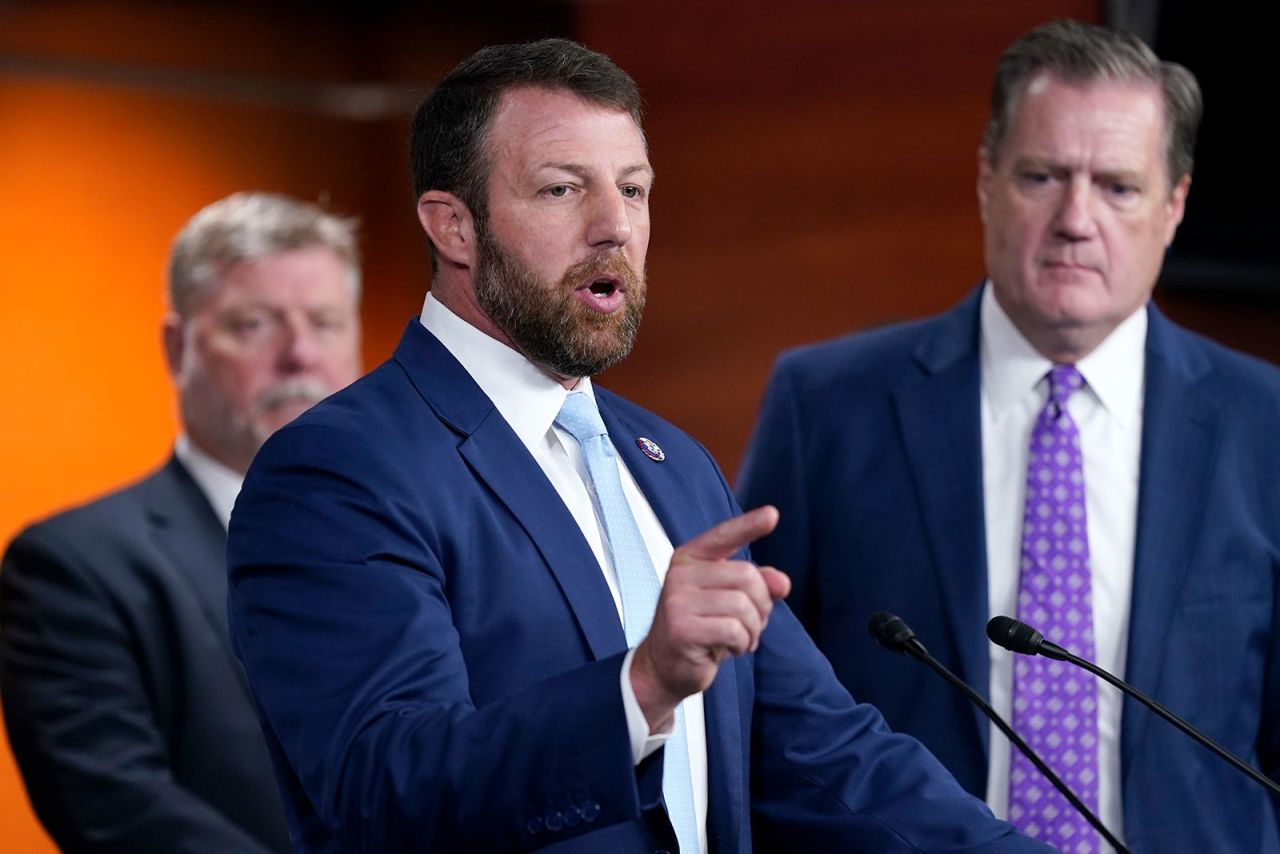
[1014, 635]
[889, 631]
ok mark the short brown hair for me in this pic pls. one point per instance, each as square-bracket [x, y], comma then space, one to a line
[450, 128]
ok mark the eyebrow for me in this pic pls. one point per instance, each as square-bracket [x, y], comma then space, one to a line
[582, 171]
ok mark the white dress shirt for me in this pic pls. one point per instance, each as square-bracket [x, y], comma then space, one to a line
[529, 400]
[1108, 414]
[219, 484]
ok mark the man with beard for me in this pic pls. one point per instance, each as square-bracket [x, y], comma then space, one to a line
[129, 716]
[485, 605]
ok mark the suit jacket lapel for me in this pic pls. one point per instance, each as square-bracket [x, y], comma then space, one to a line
[504, 464]
[496, 455]
[1180, 426]
[669, 490]
[186, 529]
[665, 483]
[938, 413]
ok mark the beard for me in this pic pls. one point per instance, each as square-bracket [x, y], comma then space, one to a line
[546, 322]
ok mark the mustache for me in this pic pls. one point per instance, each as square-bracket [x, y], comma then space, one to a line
[310, 391]
[610, 263]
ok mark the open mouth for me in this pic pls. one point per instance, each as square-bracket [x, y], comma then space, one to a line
[605, 294]
[605, 286]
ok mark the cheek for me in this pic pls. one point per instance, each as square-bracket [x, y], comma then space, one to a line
[341, 362]
[638, 246]
[1015, 240]
[539, 256]
[240, 377]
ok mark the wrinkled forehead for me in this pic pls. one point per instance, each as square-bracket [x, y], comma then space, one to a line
[1127, 116]
[311, 276]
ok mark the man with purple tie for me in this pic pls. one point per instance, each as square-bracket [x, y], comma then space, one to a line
[1053, 448]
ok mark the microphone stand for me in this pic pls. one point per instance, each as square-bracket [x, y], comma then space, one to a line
[899, 638]
[1050, 649]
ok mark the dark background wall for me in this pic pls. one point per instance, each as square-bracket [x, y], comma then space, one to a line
[816, 164]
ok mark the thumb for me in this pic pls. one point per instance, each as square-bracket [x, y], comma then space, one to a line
[778, 582]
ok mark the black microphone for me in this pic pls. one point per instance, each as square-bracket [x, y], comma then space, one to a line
[893, 633]
[1017, 636]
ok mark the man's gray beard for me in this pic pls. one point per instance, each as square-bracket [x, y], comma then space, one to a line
[233, 433]
[546, 322]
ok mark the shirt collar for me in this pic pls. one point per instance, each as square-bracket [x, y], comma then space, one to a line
[526, 397]
[1113, 372]
[219, 484]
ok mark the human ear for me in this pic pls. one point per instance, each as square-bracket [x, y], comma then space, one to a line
[449, 226]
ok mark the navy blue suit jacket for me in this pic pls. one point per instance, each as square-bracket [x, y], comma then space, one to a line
[871, 448]
[129, 716]
[436, 655]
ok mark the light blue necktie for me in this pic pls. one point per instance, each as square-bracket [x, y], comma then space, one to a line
[638, 586]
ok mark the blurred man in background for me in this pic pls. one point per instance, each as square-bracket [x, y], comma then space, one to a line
[128, 714]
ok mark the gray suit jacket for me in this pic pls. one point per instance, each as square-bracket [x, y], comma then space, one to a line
[129, 716]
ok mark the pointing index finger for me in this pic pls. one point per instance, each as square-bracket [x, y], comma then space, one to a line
[723, 540]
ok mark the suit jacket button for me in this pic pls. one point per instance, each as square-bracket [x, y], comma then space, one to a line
[534, 826]
[573, 816]
[591, 812]
[555, 822]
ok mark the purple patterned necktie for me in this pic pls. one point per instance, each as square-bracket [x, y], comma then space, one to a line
[1055, 705]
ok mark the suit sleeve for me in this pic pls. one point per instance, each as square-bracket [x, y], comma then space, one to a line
[827, 773]
[339, 610]
[79, 715]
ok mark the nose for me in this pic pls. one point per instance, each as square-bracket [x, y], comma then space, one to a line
[610, 220]
[1075, 214]
[299, 348]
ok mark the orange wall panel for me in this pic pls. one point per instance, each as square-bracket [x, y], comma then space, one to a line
[94, 183]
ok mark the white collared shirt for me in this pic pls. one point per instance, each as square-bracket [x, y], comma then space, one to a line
[1108, 414]
[219, 484]
[529, 400]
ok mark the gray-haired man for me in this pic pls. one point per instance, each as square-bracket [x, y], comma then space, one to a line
[130, 718]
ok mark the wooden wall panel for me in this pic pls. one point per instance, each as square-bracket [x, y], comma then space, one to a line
[816, 167]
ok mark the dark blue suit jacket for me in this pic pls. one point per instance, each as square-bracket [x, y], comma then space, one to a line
[436, 654]
[871, 448]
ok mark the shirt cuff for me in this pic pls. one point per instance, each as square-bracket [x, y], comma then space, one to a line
[643, 742]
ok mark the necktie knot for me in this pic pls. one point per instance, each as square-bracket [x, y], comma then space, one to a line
[1063, 380]
[580, 418]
